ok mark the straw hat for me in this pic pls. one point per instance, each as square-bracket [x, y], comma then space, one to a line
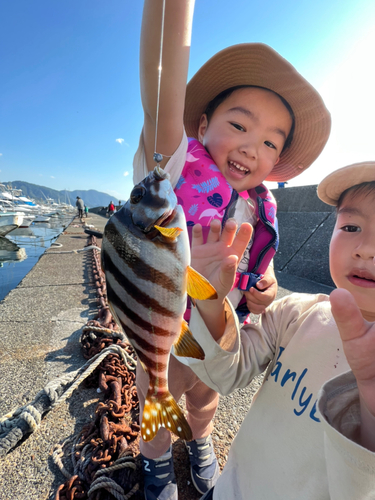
[257, 64]
[331, 187]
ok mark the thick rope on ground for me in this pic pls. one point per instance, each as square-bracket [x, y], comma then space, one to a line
[26, 419]
[91, 247]
[112, 487]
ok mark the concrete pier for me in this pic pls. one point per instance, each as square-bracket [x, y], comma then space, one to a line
[41, 322]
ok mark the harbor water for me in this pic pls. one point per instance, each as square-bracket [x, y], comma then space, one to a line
[21, 248]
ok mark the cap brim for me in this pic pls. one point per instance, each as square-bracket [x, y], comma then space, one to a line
[259, 65]
[331, 187]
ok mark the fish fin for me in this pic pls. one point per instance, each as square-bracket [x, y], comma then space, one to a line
[163, 412]
[198, 287]
[186, 345]
[171, 233]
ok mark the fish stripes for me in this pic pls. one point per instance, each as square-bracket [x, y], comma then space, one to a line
[137, 265]
[135, 292]
[154, 366]
[143, 344]
[134, 317]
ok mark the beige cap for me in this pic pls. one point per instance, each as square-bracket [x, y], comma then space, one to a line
[331, 187]
[259, 65]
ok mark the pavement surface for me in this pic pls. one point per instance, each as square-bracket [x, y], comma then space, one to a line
[40, 328]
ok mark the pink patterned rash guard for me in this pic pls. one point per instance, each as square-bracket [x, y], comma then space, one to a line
[202, 190]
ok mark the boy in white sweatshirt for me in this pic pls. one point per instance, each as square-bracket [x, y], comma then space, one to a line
[310, 431]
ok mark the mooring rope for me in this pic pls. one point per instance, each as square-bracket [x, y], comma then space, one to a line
[25, 420]
[91, 247]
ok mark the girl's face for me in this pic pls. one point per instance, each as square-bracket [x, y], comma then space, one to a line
[352, 251]
[245, 136]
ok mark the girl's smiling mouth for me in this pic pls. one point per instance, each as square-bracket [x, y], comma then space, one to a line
[236, 168]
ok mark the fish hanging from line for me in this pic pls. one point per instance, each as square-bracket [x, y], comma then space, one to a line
[146, 257]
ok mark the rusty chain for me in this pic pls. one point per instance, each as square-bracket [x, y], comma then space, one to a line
[103, 453]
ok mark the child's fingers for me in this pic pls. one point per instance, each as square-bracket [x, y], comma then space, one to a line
[265, 283]
[229, 232]
[196, 236]
[261, 298]
[347, 315]
[255, 308]
[242, 239]
[214, 233]
[228, 273]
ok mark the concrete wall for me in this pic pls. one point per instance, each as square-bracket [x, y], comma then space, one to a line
[305, 227]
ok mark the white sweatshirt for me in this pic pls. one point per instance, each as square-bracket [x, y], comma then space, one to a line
[297, 439]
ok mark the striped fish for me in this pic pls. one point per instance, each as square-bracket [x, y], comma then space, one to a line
[146, 256]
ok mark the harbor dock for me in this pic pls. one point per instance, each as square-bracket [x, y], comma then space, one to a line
[41, 323]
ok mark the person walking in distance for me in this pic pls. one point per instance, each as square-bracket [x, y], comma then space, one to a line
[80, 205]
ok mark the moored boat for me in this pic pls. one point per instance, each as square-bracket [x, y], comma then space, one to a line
[10, 221]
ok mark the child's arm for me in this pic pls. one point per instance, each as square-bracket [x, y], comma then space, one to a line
[257, 299]
[176, 48]
[358, 338]
[217, 260]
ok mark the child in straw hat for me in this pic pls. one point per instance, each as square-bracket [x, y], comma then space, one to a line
[245, 117]
[310, 431]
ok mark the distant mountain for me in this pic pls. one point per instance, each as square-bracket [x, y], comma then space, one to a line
[91, 197]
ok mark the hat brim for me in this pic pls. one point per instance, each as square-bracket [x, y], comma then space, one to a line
[258, 65]
[331, 187]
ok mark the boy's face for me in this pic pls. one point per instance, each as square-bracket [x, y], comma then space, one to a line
[246, 135]
[352, 251]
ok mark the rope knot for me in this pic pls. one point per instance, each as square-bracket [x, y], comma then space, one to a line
[32, 417]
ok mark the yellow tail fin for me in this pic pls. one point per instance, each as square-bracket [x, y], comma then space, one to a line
[163, 412]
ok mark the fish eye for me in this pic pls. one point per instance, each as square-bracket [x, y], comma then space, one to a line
[137, 194]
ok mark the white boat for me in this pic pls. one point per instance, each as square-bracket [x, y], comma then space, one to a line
[42, 218]
[10, 221]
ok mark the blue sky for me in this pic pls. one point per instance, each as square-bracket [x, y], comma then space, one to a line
[70, 111]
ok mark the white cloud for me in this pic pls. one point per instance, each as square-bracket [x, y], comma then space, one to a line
[122, 141]
[126, 174]
[1, 154]
[52, 177]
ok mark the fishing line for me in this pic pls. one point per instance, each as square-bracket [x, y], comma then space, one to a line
[158, 157]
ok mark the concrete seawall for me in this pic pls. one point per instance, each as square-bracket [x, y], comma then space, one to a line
[305, 228]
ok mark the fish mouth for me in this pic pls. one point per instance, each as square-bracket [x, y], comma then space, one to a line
[162, 221]
[166, 218]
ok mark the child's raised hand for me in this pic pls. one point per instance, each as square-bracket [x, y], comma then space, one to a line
[257, 299]
[217, 259]
[358, 338]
